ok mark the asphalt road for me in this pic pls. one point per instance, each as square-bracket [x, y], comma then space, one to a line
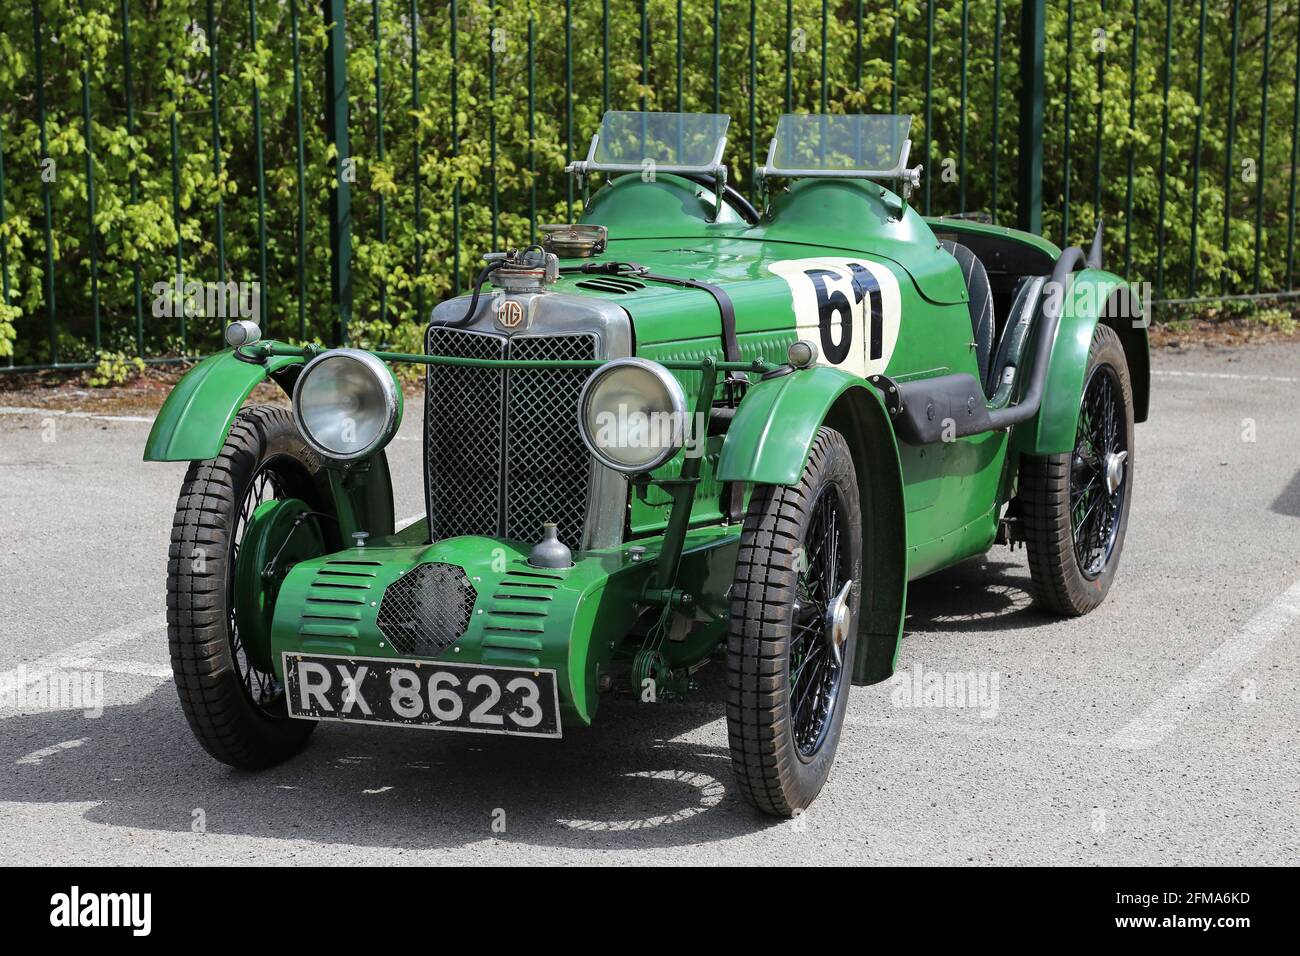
[1161, 729]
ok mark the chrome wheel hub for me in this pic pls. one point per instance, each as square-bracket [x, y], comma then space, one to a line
[1114, 466]
[837, 622]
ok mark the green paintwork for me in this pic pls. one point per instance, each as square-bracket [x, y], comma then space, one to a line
[193, 423]
[579, 630]
[768, 443]
[274, 532]
[924, 507]
[777, 422]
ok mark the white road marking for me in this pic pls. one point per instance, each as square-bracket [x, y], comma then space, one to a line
[1228, 375]
[58, 412]
[36, 756]
[134, 668]
[1163, 717]
[85, 655]
[965, 727]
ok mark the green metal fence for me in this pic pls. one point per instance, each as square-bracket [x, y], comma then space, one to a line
[354, 158]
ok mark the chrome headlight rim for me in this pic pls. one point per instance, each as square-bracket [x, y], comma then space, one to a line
[676, 396]
[389, 389]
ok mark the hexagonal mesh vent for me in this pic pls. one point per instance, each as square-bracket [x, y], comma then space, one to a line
[426, 609]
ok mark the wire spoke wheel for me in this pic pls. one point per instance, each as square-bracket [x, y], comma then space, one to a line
[235, 706]
[1098, 479]
[1075, 504]
[815, 672]
[263, 689]
[790, 644]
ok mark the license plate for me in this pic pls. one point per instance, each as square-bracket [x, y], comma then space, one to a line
[426, 694]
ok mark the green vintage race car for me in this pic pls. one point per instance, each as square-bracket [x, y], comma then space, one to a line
[681, 428]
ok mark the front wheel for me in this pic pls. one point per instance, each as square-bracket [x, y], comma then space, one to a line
[1076, 504]
[794, 612]
[229, 692]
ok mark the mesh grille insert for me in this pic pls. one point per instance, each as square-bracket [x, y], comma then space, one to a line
[463, 420]
[548, 467]
[504, 452]
[426, 609]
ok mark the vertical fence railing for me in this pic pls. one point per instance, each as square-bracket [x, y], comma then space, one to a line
[92, 234]
[1100, 105]
[1167, 78]
[259, 146]
[340, 204]
[4, 248]
[300, 156]
[47, 174]
[1228, 172]
[381, 152]
[174, 143]
[1295, 160]
[1033, 28]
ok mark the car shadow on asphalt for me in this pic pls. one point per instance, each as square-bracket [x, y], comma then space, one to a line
[627, 782]
[645, 775]
[981, 594]
[1288, 501]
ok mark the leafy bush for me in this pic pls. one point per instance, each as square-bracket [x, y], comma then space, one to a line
[171, 224]
[114, 368]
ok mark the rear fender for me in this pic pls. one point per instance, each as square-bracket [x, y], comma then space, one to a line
[1094, 296]
[768, 443]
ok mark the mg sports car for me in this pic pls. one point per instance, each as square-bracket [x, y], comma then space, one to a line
[686, 427]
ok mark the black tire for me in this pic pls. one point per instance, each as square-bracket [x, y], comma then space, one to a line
[1072, 573]
[237, 715]
[779, 767]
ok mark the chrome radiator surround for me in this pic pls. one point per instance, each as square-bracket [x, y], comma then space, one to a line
[501, 447]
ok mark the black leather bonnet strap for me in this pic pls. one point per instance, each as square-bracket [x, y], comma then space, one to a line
[726, 311]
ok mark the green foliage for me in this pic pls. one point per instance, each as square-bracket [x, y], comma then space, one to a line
[8, 315]
[114, 368]
[399, 272]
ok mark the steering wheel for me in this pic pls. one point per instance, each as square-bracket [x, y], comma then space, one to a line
[732, 197]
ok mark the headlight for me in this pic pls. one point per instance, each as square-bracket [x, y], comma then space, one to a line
[347, 404]
[632, 415]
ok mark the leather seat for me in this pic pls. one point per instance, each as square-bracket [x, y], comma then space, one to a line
[981, 303]
[1019, 302]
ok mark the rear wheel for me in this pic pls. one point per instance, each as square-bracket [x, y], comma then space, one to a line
[1076, 504]
[794, 608]
[233, 701]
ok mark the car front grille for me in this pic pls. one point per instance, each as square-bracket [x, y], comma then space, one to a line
[503, 450]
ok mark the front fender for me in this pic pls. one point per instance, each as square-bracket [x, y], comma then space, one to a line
[1094, 296]
[196, 417]
[768, 443]
[774, 427]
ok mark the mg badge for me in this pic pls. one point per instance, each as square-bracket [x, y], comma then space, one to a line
[510, 314]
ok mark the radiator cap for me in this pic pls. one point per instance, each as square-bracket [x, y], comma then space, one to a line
[550, 552]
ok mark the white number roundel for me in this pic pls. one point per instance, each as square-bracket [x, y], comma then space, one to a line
[849, 307]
